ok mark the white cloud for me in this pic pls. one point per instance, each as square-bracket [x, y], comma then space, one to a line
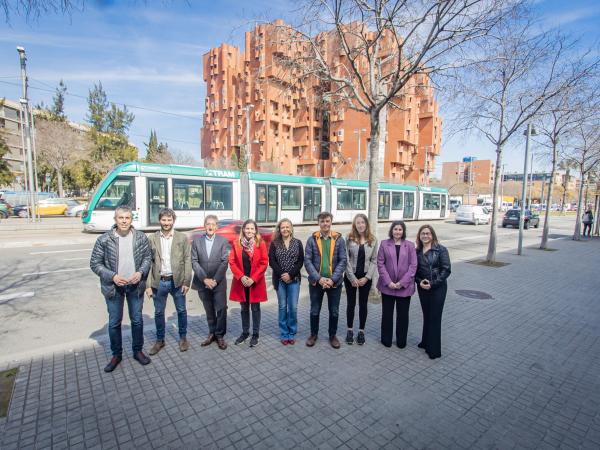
[563, 18]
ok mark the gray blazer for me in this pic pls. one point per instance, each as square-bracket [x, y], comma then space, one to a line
[352, 256]
[214, 267]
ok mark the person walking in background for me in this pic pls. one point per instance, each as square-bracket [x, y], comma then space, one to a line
[286, 257]
[361, 253]
[397, 265]
[588, 220]
[325, 262]
[249, 261]
[432, 271]
[122, 258]
[210, 258]
[171, 273]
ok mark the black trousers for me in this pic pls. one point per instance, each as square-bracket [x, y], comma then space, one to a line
[402, 304]
[587, 227]
[217, 319]
[246, 307]
[363, 303]
[432, 304]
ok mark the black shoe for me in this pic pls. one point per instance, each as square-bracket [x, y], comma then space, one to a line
[360, 339]
[401, 345]
[350, 337]
[421, 345]
[112, 365]
[242, 338]
[141, 358]
[254, 340]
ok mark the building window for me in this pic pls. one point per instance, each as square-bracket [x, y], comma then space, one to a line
[188, 195]
[397, 198]
[290, 198]
[431, 202]
[218, 195]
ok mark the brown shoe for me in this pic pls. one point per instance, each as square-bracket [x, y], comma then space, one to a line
[209, 340]
[158, 345]
[221, 343]
[335, 343]
[312, 339]
[183, 344]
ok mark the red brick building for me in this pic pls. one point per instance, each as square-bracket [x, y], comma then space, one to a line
[250, 100]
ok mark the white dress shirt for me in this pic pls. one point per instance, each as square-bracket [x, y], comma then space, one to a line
[165, 251]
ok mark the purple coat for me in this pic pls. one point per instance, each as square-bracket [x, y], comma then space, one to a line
[392, 270]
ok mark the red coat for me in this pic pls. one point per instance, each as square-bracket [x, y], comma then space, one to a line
[259, 263]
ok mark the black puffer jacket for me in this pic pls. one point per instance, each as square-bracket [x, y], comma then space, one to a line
[433, 266]
[105, 259]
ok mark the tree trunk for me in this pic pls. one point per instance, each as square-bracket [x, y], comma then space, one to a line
[374, 170]
[59, 179]
[577, 233]
[564, 196]
[544, 243]
[491, 254]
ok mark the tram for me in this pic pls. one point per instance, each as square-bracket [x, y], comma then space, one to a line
[194, 192]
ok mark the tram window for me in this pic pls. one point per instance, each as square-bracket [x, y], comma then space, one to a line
[188, 195]
[344, 199]
[359, 199]
[121, 191]
[397, 200]
[290, 198]
[218, 195]
[431, 201]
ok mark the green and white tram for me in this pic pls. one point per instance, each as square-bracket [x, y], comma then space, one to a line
[194, 192]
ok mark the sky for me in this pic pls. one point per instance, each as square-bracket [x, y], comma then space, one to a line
[148, 55]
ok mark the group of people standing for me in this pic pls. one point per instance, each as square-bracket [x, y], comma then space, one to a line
[129, 264]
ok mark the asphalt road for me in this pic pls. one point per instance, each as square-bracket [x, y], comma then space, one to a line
[50, 299]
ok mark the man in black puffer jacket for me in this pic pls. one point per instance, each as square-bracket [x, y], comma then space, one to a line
[122, 259]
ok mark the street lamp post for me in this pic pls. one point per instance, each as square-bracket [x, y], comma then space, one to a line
[530, 131]
[248, 155]
[530, 181]
[358, 131]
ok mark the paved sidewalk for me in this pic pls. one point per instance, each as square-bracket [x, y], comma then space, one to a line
[519, 370]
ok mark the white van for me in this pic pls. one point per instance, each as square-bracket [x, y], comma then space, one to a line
[474, 214]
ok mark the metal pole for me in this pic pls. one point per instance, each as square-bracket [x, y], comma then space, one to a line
[25, 179]
[248, 146]
[426, 166]
[501, 187]
[35, 174]
[530, 182]
[359, 160]
[25, 106]
[524, 191]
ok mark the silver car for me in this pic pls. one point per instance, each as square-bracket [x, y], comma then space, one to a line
[75, 208]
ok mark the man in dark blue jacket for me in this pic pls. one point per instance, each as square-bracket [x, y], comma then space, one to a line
[325, 262]
[122, 259]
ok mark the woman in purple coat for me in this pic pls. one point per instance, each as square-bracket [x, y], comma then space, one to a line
[397, 265]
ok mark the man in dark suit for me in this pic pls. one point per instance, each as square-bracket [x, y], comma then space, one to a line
[210, 257]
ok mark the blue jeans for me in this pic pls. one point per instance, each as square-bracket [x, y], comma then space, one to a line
[114, 305]
[165, 288]
[287, 297]
[333, 303]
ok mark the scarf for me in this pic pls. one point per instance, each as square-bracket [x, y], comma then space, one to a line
[248, 246]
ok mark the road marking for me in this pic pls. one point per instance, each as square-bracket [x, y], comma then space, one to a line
[54, 271]
[61, 251]
[75, 259]
[7, 297]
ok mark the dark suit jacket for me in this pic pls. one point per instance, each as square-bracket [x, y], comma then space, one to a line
[214, 267]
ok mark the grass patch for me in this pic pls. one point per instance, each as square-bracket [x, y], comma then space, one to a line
[7, 383]
[483, 262]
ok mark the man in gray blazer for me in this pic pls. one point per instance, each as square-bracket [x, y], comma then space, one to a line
[210, 258]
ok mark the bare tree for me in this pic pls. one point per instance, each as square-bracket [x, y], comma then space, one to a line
[34, 9]
[515, 71]
[60, 144]
[584, 152]
[371, 55]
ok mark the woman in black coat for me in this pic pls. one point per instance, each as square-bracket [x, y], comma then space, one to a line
[433, 268]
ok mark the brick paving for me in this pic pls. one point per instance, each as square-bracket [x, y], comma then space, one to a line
[520, 370]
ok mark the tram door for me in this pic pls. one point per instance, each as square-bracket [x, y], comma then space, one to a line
[266, 203]
[157, 198]
[409, 205]
[443, 206]
[383, 211]
[312, 204]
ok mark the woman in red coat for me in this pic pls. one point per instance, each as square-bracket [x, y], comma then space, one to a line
[249, 260]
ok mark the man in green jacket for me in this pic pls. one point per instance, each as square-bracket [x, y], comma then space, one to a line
[171, 273]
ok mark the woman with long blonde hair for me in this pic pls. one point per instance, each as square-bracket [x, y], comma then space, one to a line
[361, 251]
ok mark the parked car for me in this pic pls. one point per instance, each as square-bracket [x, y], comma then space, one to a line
[75, 208]
[230, 229]
[46, 207]
[6, 209]
[512, 216]
[474, 214]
